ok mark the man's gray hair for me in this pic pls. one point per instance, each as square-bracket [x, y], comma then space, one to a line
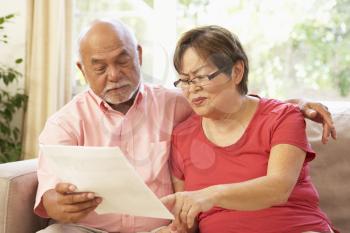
[112, 21]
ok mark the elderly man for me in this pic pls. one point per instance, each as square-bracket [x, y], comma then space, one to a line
[117, 110]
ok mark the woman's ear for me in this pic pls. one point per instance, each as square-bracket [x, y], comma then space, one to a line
[237, 72]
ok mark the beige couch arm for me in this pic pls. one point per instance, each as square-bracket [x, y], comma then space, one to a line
[330, 171]
[18, 183]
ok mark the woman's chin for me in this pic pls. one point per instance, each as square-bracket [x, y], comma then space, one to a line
[201, 111]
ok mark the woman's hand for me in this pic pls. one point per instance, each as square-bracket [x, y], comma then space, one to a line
[171, 228]
[165, 229]
[187, 205]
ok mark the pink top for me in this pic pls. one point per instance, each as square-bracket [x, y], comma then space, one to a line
[200, 163]
[143, 134]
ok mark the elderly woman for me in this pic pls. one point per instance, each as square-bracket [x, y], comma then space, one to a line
[241, 163]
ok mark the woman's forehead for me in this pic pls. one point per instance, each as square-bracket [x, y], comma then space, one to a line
[192, 62]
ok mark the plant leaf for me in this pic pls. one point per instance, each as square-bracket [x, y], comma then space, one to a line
[9, 16]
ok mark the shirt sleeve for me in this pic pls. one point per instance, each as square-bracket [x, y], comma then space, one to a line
[53, 134]
[176, 160]
[182, 109]
[289, 128]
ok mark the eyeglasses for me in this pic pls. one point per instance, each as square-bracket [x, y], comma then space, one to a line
[198, 80]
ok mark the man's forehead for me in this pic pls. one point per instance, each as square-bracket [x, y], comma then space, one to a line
[102, 37]
[99, 57]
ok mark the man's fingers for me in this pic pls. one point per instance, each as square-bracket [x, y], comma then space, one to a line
[320, 113]
[82, 206]
[74, 198]
[324, 113]
[325, 133]
[310, 113]
[333, 133]
[65, 188]
[75, 217]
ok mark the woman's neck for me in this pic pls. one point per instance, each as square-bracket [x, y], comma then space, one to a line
[234, 113]
[227, 128]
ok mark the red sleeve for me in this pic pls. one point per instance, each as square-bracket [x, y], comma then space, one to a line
[176, 160]
[289, 128]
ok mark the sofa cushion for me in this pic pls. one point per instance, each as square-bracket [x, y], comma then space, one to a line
[18, 183]
[330, 171]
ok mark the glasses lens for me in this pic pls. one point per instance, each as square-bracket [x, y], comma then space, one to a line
[201, 80]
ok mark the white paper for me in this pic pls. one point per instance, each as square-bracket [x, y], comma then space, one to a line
[106, 172]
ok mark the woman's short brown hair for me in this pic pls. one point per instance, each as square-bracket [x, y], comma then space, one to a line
[217, 44]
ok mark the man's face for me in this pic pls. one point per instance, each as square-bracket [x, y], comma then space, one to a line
[111, 66]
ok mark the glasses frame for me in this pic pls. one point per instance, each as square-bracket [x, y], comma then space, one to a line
[209, 76]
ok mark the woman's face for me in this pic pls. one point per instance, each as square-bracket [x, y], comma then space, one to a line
[218, 96]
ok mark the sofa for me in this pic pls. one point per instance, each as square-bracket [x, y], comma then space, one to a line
[330, 172]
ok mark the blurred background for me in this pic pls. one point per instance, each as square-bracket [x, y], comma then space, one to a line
[297, 48]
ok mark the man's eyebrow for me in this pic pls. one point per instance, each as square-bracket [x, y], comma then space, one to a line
[123, 53]
[95, 61]
[195, 71]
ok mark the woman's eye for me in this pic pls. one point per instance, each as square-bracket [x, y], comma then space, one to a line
[201, 77]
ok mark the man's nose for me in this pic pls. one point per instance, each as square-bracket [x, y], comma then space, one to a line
[113, 73]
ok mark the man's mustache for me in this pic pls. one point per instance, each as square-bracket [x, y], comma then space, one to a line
[115, 86]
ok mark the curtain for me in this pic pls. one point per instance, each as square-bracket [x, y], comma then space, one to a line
[48, 65]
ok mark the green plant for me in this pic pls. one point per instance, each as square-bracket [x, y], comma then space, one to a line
[10, 103]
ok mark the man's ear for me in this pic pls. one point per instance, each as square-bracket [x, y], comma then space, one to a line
[139, 53]
[81, 68]
[237, 72]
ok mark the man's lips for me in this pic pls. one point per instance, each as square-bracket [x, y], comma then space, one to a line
[198, 100]
[117, 88]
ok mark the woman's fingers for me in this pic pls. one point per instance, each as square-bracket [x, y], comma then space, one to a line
[178, 208]
[169, 201]
[186, 208]
[192, 214]
[184, 211]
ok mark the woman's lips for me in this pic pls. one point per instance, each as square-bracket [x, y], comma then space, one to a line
[198, 101]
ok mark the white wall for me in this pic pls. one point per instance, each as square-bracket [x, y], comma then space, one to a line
[15, 30]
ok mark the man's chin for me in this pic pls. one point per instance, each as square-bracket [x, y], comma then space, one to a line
[115, 100]
[118, 97]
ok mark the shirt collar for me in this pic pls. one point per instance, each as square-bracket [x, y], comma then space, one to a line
[104, 106]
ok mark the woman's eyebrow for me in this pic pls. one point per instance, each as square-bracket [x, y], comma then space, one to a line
[195, 71]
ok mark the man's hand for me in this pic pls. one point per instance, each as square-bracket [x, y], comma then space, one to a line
[66, 206]
[319, 113]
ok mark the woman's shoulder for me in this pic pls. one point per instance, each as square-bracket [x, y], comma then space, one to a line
[188, 126]
[277, 108]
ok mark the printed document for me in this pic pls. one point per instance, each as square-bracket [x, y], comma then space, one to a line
[106, 172]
